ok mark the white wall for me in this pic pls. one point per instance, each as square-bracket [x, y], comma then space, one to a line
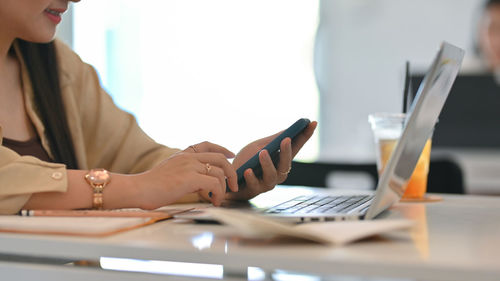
[223, 71]
[361, 49]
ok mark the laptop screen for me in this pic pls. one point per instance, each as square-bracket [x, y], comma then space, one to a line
[420, 121]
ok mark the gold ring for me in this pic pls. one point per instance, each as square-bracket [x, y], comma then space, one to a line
[287, 171]
[194, 148]
[208, 168]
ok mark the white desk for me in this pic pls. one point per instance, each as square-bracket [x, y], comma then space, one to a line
[456, 239]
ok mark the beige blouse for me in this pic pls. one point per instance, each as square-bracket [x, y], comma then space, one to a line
[104, 136]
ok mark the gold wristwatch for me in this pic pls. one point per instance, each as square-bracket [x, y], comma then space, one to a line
[98, 179]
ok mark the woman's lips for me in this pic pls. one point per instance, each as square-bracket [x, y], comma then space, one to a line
[54, 14]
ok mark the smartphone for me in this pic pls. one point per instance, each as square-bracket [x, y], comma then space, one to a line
[273, 148]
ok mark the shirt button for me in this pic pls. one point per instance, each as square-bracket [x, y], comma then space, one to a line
[57, 175]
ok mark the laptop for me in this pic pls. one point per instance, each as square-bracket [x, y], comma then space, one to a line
[420, 121]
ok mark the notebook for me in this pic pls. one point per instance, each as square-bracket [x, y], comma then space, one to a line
[420, 121]
[87, 223]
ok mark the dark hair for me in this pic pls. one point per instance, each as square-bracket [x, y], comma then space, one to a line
[41, 62]
[490, 3]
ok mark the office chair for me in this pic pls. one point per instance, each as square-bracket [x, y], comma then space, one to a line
[445, 175]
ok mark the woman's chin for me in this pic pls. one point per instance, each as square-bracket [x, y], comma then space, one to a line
[42, 37]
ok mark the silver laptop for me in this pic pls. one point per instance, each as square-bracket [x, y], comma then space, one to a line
[420, 121]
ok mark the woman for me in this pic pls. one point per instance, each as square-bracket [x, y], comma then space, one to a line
[57, 126]
[488, 41]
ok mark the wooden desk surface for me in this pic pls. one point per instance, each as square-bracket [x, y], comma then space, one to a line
[455, 239]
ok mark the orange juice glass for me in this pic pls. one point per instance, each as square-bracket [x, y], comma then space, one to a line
[387, 128]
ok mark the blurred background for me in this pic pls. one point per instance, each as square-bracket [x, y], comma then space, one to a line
[232, 71]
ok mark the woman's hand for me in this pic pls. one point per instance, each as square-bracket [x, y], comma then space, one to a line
[201, 168]
[271, 175]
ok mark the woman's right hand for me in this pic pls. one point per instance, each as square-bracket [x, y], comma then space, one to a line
[201, 168]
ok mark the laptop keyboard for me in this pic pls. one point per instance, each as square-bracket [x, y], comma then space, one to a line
[321, 204]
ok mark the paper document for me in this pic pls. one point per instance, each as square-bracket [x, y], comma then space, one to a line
[339, 232]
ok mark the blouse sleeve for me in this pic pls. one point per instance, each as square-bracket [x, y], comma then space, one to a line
[104, 135]
[20, 176]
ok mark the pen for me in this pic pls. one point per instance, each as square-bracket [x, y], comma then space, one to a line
[99, 213]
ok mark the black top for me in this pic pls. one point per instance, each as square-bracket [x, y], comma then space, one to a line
[31, 147]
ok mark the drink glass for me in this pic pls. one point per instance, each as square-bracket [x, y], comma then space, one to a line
[387, 129]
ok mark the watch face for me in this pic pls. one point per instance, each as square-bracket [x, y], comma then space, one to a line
[98, 176]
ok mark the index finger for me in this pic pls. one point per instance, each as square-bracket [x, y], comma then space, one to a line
[212, 147]
[303, 137]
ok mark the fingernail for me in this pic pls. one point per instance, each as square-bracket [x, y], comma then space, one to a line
[264, 153]
[210, 194]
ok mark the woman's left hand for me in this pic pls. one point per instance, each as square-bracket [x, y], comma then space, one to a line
[271, 175]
